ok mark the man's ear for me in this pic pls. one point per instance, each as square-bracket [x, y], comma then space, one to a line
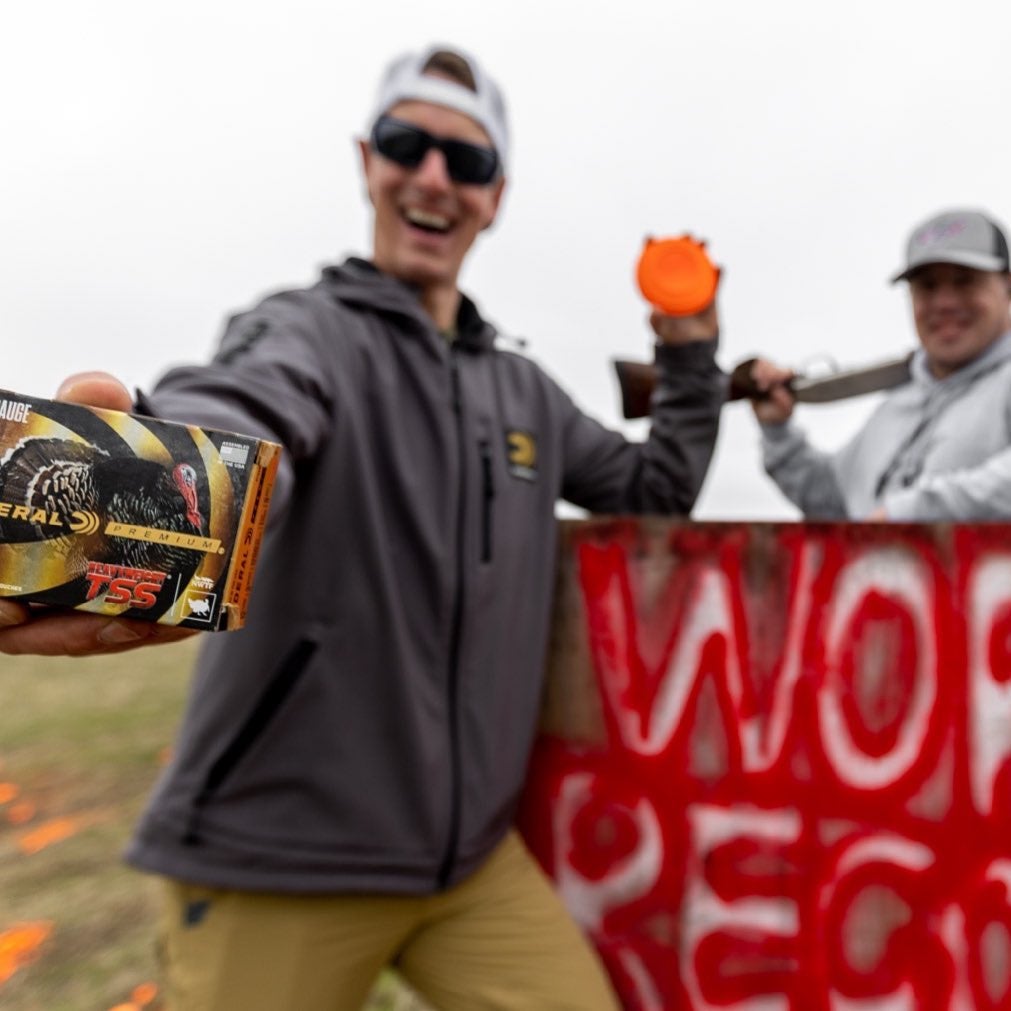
[365, 153]
[499, 189]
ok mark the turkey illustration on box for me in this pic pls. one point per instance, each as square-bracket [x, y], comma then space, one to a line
[126, 515]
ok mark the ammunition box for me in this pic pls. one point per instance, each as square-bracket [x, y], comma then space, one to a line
[119, 514]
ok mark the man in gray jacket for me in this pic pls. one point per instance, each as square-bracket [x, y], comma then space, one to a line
[938, 447]
[342, 791]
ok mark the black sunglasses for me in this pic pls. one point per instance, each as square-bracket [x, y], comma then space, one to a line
[407, 145]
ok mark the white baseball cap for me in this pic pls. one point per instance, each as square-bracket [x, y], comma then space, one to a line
[405, 79]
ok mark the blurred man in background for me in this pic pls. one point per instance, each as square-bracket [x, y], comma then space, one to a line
[939, 446]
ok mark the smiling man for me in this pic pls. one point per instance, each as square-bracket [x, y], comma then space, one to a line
[342, 792]
[938, 447]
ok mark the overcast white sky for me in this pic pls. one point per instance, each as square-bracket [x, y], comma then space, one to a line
[166, 164]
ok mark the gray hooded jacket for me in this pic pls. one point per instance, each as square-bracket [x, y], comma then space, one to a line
[933, 450]
[370, 727]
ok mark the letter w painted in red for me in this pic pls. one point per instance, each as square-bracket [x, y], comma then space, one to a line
[652, 660]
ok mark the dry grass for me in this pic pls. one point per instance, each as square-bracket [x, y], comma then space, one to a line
[81, 742]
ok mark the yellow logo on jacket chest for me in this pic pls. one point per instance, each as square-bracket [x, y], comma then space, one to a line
[521, 452]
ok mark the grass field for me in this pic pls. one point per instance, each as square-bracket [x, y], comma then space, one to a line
[81, 742]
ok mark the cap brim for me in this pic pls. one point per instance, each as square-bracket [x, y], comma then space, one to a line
[961, 258]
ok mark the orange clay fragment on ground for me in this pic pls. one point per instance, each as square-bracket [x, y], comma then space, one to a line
[8, 791]
[22, 811]
[20, 945]
[144, 994]
[48, 833]
[140, 998]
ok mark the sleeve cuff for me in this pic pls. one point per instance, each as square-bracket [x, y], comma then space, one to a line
[693, 355]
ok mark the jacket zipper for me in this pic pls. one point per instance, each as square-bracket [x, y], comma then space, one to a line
[452, 690]
[487, 500]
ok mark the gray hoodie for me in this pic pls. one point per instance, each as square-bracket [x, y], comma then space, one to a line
[369, 729]
[933, 450]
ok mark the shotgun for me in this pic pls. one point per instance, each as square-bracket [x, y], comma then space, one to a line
[637, 381]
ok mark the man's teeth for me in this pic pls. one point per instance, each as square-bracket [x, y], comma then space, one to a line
[427, 219]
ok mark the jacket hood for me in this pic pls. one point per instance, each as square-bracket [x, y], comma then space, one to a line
[359, 282]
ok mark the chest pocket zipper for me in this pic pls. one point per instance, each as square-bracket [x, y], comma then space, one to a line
[487, 500]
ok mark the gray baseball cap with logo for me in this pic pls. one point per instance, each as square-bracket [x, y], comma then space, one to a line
[968, 238]
[405, 78]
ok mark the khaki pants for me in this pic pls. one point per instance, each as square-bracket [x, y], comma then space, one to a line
[500, 941]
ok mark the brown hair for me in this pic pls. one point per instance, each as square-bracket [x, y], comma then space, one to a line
[451, 65]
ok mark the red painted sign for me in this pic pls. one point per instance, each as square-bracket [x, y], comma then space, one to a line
[791, 788]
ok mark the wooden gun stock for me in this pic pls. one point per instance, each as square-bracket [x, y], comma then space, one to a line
[636, 380]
